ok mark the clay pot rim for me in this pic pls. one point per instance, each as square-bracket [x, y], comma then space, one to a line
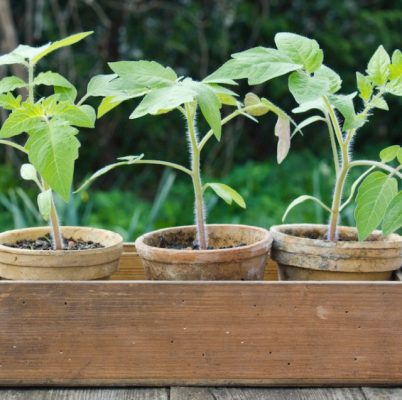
[162, 254]
[14, 250]
[391, 241]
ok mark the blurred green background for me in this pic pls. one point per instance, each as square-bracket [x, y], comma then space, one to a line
[195, 37]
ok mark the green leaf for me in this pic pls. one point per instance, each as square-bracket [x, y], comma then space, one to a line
[334, 80]
[45, 203]
[317, 104]
[258, 64]
[308, 121]
[302, 199]
[164, 100]
[282, 131]
[9, 59]
[395, 87]
[395, 69]
[300, 50]
[129, 160]
[100, 85]
[145, 73]
[11, 83]
[221, 80]
[68, 41]
[225, 96]
[255, 106]
[399, 156]
[61, 85]
[107, 104]
[377, 67]
[393, 215]
[344, 104]
[53, 150]
[379, 102]
[81, 116]
[390, 153]
[305, 88]
[374, 195]
[9, 102]
[28, 52]
[364, 85]
[23, 119]
[226, 193]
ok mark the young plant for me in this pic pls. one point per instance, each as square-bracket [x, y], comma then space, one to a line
[163, 91]
[50, 122]
[315, 87]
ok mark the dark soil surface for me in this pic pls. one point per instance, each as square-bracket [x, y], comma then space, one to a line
[44, 243]
[180, 243]
[319, 235]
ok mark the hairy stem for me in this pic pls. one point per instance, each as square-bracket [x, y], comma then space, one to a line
[377, 164]
[202, 235]
[333, 143]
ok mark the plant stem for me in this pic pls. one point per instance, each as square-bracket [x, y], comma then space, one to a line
[166, 164]
[30, 83]
[12, 144]
[377, 164]
[202, 235]
[333, 143]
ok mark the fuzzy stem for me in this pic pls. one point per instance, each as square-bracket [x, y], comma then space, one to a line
[30, 83]
[202, 235]
[333, 143]
[377, 164]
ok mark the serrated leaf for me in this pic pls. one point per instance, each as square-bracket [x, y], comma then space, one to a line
[45, 203]
[9, 102]
[390, 153]
[305, 88]
[107, 104]
[226, 193]
[11, 83]
[255, 104]
[364, 85]
[53, 150]
[145, 73]
[377, 67]
[374, 195]
[282, 131]
[258, 64]
[164, 100]
[61, 85]
[68, 41]
[300, 50]
[334, 80]
[23, 119]
[393, 215]
[302, 199]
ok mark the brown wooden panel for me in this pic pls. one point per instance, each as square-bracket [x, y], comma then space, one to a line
[200, 333]
[131, 268]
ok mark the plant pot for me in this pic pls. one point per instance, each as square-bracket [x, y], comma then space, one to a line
[21, 264]
[302, 256]
[246, 262]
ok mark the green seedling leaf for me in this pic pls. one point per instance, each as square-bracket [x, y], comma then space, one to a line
[225, 96]
[129, 160]
[255, 106]
[306, 88]
[300, 200]
[82, 116]
[393, 215]
[334, 80]
[399, 156]
[45, 203]
[300, 50]
[164, 100]
[317, 104]
[52, 150]
[61, 85]
[258, 64]
[344, 104]
[373, 198]
[378, 66]
[364, 85]
[49, 48]
[11, 58]
[28, 52]
[395, 69]
[107, 104]
[380, 103]
[308, 121]
[390, 153]
[100, 85]
[11, 83]
[282, 131]
[148, 74]
[226, 193]
[9, 102]
[28, 173]
[395, 86]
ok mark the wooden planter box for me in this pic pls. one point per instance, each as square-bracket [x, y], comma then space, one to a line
[130, 332]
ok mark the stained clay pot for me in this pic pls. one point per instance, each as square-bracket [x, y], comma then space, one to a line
[246, 262]
[301, 255]
[21, 264]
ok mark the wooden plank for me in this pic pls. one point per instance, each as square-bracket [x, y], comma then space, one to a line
[131, 268]
[190, 393]
[200, 333]
[285, 394]
[84, 394]
[382, 393]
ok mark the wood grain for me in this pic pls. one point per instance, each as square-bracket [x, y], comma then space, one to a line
[84, 394]
[131, 267]
[383, 393]
[196, 333]
[191, 393]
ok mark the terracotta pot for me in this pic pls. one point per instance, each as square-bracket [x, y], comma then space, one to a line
[61, 264]
[302, 256]
[246, 262]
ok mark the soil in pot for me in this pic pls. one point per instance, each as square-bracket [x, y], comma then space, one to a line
[237, 252]
[303, 253]
[26, 254]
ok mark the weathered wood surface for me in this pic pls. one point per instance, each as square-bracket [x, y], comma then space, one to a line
[160, 333]
[131, 268]
[382, 393]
